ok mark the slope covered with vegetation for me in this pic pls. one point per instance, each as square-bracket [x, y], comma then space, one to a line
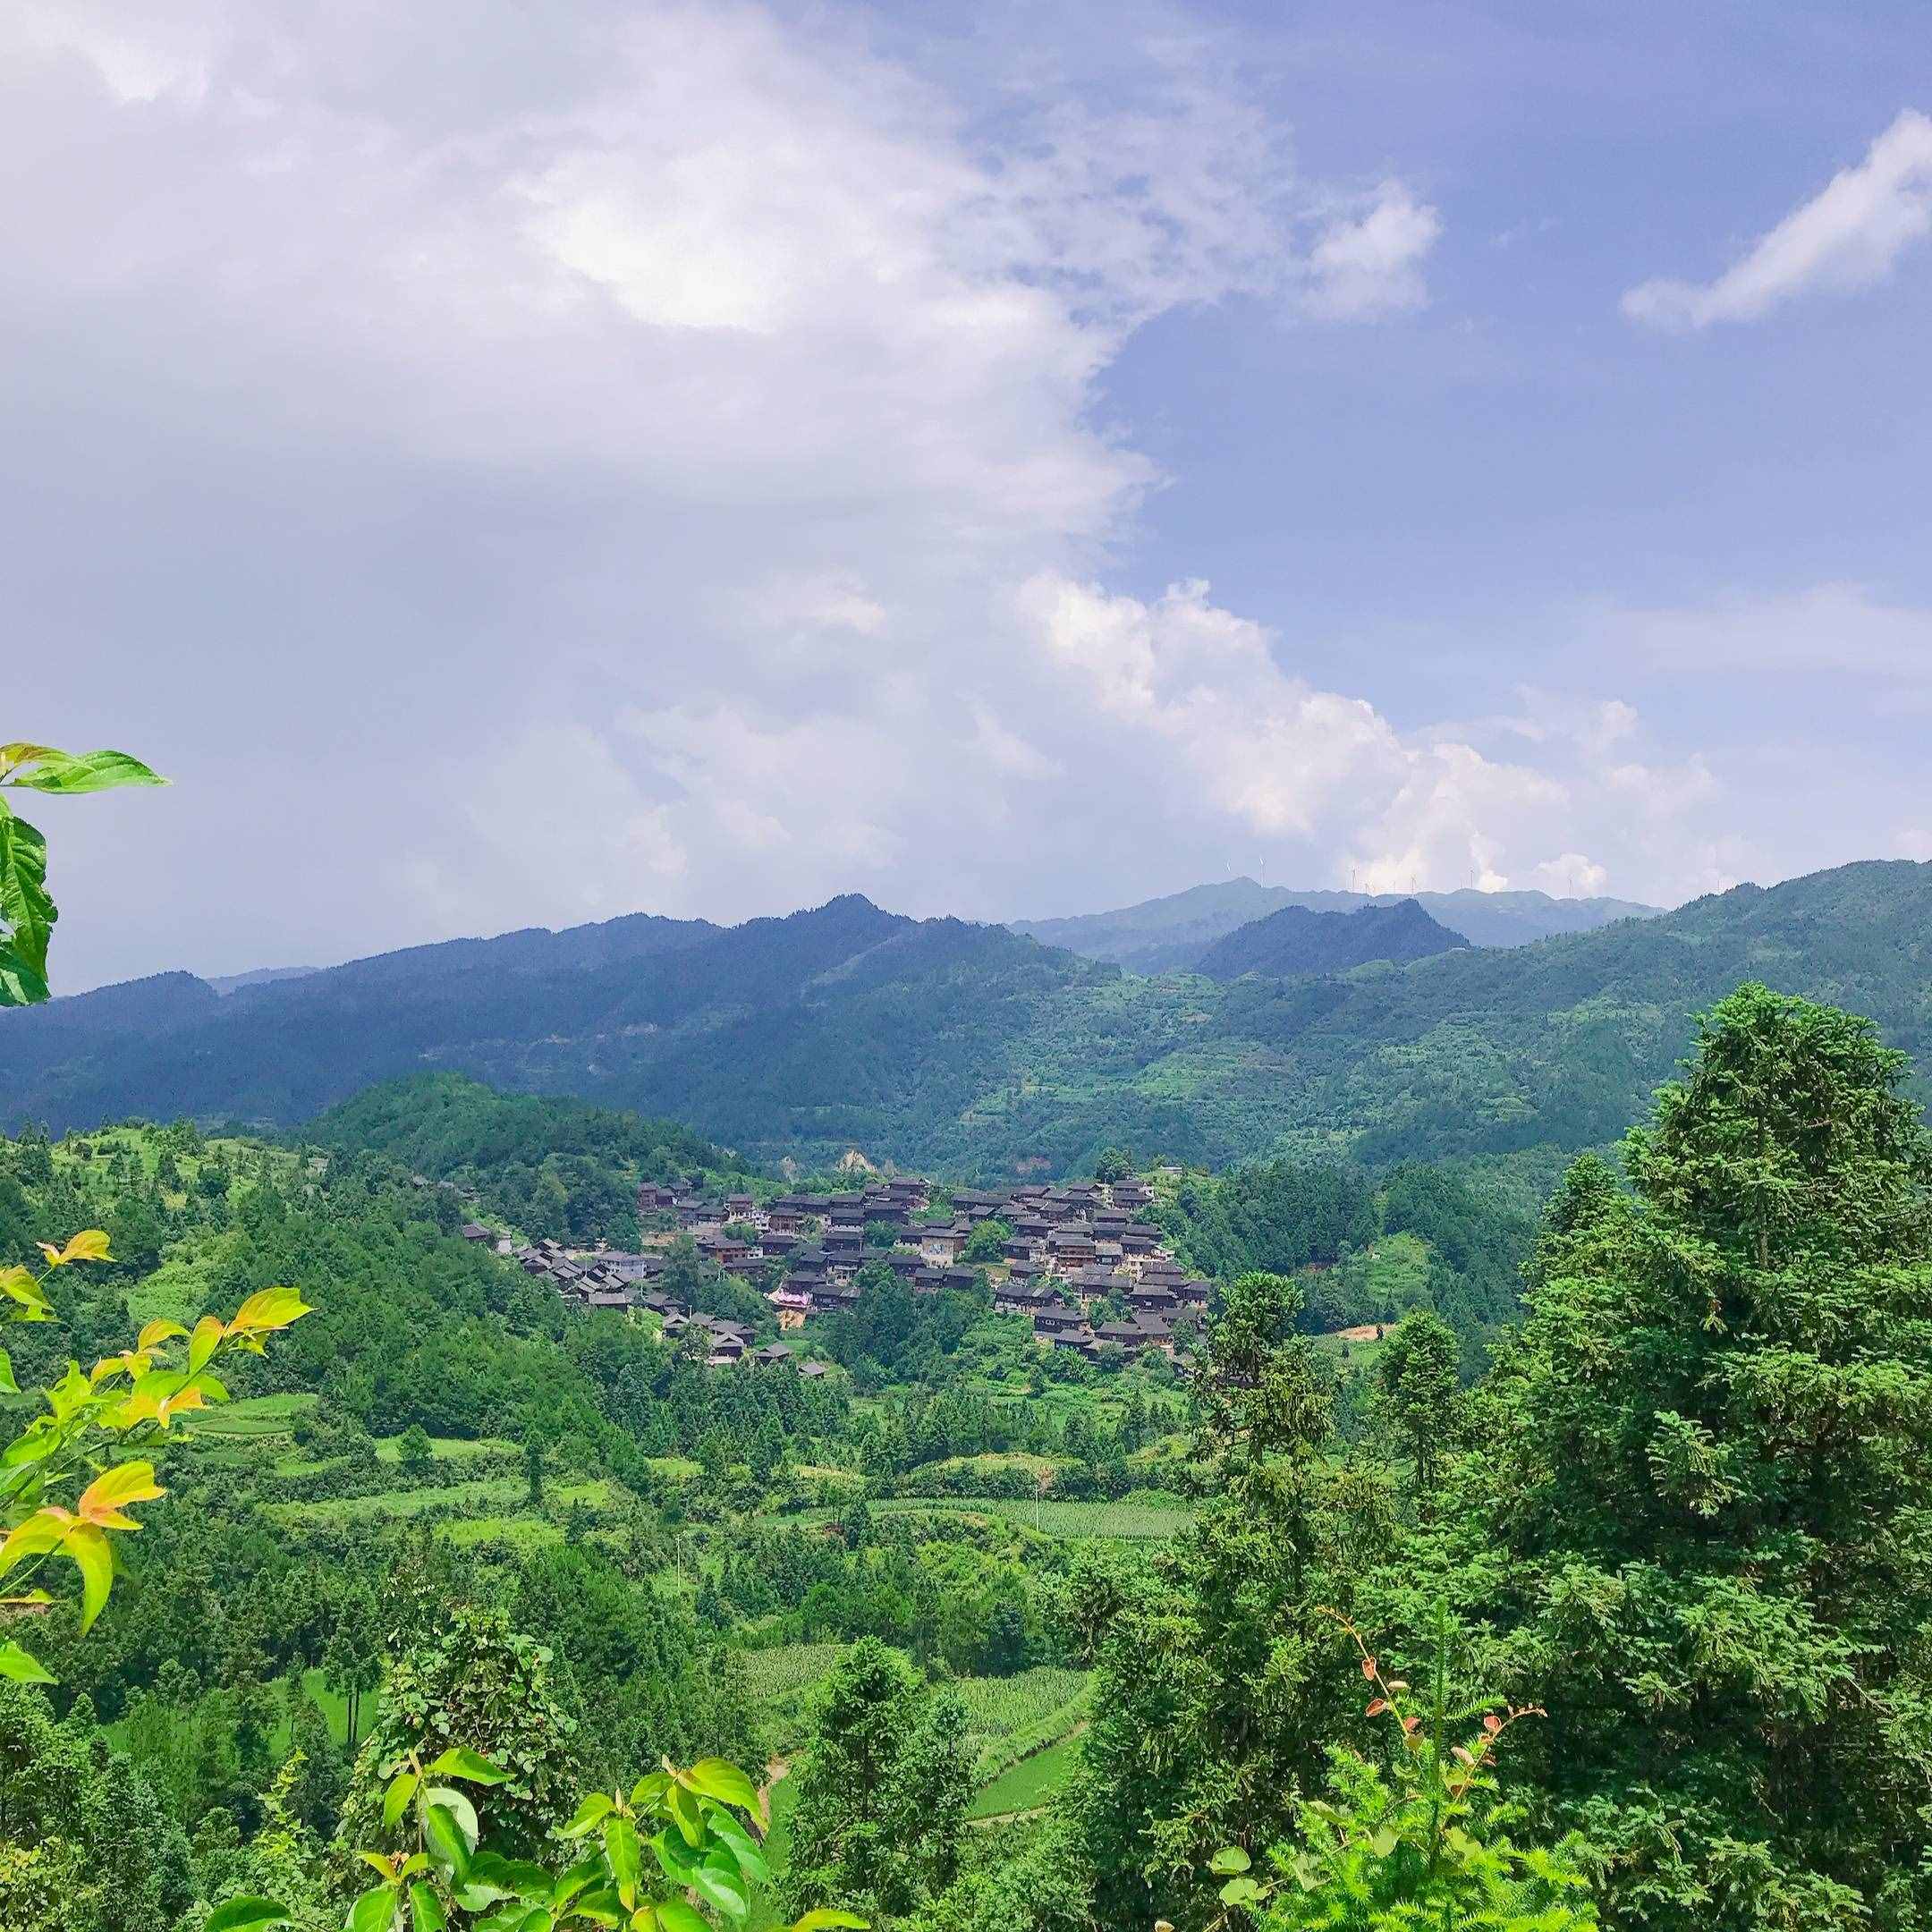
[970, 1049]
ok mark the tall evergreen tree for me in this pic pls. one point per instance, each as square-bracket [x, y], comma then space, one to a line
[1709, 1461]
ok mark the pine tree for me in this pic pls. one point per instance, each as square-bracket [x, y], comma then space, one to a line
[1708, 1465]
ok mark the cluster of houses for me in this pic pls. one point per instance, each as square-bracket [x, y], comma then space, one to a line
[1077, 1260]
[1074, 1258]
[618, 1280]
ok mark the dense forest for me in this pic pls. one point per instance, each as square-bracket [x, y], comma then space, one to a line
[1606, 1606]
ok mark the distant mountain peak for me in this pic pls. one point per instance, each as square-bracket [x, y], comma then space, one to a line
[1295, 941]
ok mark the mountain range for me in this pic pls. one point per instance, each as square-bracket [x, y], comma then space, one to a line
[974, 1049]
[1172, 933]
[1295, 941]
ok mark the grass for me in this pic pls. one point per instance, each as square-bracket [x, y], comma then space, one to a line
[1131, 1521]
[1028, 1785]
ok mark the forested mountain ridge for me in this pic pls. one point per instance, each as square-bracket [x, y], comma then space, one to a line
[971, 1050]
[1170, 933]
[1295, 941]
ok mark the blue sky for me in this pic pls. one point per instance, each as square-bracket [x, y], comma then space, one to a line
[517, 468]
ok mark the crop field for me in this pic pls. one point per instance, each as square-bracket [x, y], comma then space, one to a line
[498, 1494]
[786, 1668]
[1145, 1520]
[1028, 1785]
[444, 1448]
[254, 1416]
[1002, 1707]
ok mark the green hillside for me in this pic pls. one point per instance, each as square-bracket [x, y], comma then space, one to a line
[970, 1049]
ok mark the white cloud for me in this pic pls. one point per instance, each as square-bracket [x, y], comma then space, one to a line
[1370, 264]
[1832, 629]
[1847, 236]
[652, 456]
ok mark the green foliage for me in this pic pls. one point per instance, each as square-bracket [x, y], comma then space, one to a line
[1424, 1844]
[883, 1793]
[1415, 1374]
[1706, 1464]
[986, 1242]
[27, 910]
[679, 1834]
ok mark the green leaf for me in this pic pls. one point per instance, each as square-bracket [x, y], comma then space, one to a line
[677, 1859]
[588, 1814]
[24, 903]
[68, 773]
[676, 1916]
[1229, 1859]
[374, 1912]
[471, 1767]
[718, 1778]
[426, 1909]
[620, 1851]
[585, 1872]
[8, 1385]
[506, 1877]
[402, 1789]
[447, 1844]
[719, 1880]
[685, 1815]
[827, 1916]
[21, 984]
[743, 1847]
[1241, 1891]
[457, 1804]
[18, 1666]
[245, 1915]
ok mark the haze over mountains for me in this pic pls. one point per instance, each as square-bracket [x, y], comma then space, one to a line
[976, 1049]
[1171, 933]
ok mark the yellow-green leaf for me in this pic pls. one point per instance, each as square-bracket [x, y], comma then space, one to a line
[472, 1766]
[69, 771]
[41, 1532]
[201, 1345]
[104, 1499]
[18, 1665]
[426, 1909]
[8, 1385]
[160, 1330]
[718, 1778]
[267, 1309]
[25, 1288]
[589, 1814]
[94, 1559]
[91, 1244]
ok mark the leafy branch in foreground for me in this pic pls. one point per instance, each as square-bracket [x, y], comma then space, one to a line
[79, 1447]
[678, 1834]
[1422, 1845]
[27, 910]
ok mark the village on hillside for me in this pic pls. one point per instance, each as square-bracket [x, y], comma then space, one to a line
[1076, 1261]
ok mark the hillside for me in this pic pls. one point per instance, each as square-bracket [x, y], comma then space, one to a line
[1295, 941]
[1171, 933]
[971, 1050]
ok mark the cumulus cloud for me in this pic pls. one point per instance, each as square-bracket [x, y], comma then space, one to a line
[648, 457]
[1847, 236]
[1369, 263]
